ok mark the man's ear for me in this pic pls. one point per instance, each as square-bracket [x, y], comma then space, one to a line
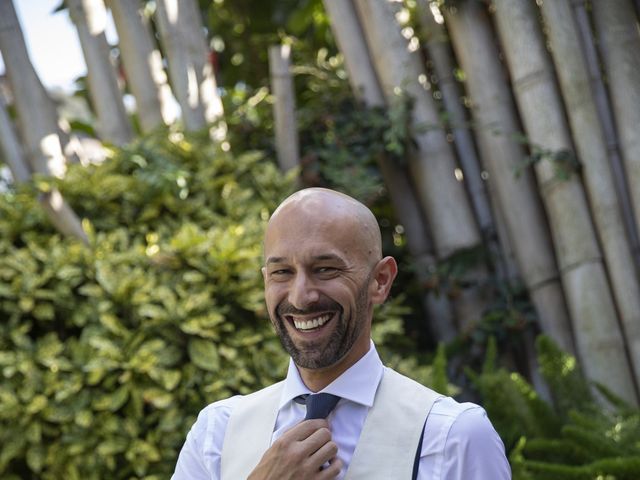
[384, 274]
[264, 274]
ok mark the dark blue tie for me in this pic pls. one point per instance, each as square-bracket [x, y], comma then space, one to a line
[319, 405]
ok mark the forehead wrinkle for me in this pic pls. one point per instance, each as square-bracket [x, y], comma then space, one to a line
[315, 258]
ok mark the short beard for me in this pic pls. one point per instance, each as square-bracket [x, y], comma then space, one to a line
[312, 356]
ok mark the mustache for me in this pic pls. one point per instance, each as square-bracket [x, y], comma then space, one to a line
[285, 308]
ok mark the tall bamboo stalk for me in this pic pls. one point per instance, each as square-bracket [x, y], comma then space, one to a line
[592, 150]
[90, 19]
[619, 42]
[36, 119]
[432, 165]
[439, 50]
[142, 64]
[511, 273]
[496, 129]
[350, 39]
[584, 277]
[10, 147]
[190, 71]
[605, 114]
[364, 83]
[284, 107]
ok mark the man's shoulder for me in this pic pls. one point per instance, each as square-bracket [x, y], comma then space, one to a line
[461, 422]
[447, 408]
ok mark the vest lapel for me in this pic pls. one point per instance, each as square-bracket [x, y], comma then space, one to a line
[249, 431]
[391, 432]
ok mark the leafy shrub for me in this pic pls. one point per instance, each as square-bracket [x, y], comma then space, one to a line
[108, 351]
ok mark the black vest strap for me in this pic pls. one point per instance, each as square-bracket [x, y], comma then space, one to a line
[416, 462]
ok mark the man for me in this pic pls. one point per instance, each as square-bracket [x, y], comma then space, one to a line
[323, 274]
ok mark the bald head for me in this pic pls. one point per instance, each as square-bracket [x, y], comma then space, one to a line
[318, 210]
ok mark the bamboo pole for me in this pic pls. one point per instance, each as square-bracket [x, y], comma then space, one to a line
[284, 107]
[496, 128]
[190, 71]
[364, 83]
[142, 64]
[511, 274]
[10, 147]
[439, 50]
[583, 118]
[350, 39]
[437, 45]
[432, 164]
[581, 265]
[619, 42]
[90, 17]
[37, 121]
[605, 114]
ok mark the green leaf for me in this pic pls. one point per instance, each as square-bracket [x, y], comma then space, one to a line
[84, 418]
[112, 401]
[157, 397]
[35, 458]
[37, 404]
[204, 354]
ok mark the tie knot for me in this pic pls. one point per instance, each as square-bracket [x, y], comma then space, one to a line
[319, 405]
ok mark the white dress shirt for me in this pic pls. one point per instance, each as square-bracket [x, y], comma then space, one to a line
[459, 441]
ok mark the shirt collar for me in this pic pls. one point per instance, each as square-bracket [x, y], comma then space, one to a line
[358, 383]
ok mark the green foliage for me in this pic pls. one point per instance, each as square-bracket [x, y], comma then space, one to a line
[513, 405]
[242, 31]
[563, 375]
[576, 438]
[109, 351]
[564, 161]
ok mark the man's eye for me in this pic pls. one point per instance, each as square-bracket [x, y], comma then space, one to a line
[326, 270]
[280, 272]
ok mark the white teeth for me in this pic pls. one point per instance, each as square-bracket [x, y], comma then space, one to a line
[309, 324]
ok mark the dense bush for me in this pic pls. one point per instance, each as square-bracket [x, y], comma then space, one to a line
[108, 351]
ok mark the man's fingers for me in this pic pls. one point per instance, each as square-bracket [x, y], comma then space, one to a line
[316, 440]
[331, 471]
[327, 452]
[304, 429]
[301, 453]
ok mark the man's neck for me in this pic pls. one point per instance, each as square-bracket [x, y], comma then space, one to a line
[318, 378]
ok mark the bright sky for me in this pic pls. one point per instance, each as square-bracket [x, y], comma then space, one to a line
[52, 42]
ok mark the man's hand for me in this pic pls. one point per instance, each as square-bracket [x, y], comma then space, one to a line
[299, 454]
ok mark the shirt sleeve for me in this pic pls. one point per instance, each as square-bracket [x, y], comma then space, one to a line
[473, 449]
[200, 456]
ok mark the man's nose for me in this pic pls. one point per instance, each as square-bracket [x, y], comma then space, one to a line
[303, 292]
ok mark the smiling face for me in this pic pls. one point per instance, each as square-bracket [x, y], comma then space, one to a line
[323, 273]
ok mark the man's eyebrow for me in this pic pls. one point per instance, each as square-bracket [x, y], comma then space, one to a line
[275, 260]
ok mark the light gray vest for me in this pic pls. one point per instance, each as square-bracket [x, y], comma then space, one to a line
[386, 448]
